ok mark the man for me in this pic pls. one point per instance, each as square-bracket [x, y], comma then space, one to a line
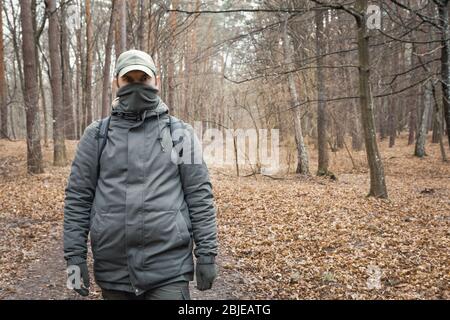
[143, 210]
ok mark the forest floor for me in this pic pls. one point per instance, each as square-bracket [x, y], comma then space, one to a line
[293, 237]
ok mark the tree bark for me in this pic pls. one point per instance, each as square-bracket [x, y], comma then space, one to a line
[142, 16]
[377, 179]
[302, 153]
[412, 105]
[44, 104]
[106, 101]
[3, 87]
[79, 91]
[422, 132]
[357, 140]
[34, 153]
[322, 139]
[170, 58]
[445, 61]
[121, 39]
[87, 101]
[436, 130]
[382, 118]
[412, 123]
[59, 147]
[150, 35]
[69, 119]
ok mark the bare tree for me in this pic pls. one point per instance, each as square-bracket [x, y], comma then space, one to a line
[422, 130]
[445, 60]
[106, 69]
[439, 126]
[43, 104]
[121, 33]
[142, 17]
[171, 58]
[87, 98]
[377, 178]
[79, 63]
[31, 93]
[69, 119]
[3, 93]
[321, 104]
[59, 148]
[302, 153]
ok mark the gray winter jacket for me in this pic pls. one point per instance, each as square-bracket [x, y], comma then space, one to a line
[144, 213]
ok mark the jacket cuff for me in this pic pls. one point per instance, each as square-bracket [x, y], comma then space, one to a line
[75, 260]
[206, 259]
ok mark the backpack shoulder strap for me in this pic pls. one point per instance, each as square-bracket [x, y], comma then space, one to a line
[102, 138]
[177, 124]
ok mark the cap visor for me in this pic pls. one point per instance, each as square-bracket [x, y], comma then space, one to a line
[134, 68]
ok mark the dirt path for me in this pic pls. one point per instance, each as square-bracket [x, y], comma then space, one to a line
[45, 279]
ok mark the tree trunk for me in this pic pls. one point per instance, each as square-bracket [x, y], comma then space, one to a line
[392, 122]
[445, 61]
[34, 153]
[340, 132]
[3, 88]
[357, 141]
[150, 22]
[170, 58]
[106, 101]
[142, 17]
[59, 147]
[411, 104]
[322, 138]
[377, 178]
[412, 123]
[382, 118]
[302, 153]
[436, 130]
[439, 124]
[87, 101]
[69, 119]
[79, 91]
[121, 35]
[422, 132]
[44, 105]
[189, 52]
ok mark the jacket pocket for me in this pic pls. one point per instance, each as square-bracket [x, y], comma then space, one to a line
[108, 235]
[183, 227]
[165, 230]
[166, 238]
[96, 223]
[184, 212]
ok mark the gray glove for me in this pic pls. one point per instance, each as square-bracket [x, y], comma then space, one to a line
[206, 272]
[80, 280]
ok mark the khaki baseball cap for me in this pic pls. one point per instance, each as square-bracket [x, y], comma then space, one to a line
[135, 60]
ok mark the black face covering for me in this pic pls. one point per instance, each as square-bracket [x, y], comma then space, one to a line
[137, 97]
